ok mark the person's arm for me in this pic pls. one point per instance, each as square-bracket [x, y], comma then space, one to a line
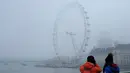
[104, 67]
[118, 70]
[81, 69]
[98, 68]
[107, 70]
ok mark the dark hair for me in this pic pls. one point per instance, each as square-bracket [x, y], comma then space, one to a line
[91, 59]
[108, 61]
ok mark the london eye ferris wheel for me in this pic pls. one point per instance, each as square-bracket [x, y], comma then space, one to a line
[61, 29]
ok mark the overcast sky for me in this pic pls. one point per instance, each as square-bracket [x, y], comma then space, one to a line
[26, 26]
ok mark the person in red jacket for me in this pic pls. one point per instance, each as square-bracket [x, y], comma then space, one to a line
[90, 66]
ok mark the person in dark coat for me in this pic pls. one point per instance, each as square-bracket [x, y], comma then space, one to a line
[110, 66]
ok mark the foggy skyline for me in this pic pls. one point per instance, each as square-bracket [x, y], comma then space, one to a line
[26, 26]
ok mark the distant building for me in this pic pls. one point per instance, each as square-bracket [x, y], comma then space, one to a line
[64, 61]
[121, 54]
[104, 40]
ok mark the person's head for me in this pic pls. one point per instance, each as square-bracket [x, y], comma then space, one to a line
[109, 59]
[110, 54]
[91, 59]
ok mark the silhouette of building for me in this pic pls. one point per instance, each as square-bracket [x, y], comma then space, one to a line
[64, 61]
[121, 54]
[105, 40]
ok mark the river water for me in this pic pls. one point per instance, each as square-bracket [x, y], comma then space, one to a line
[30, 68]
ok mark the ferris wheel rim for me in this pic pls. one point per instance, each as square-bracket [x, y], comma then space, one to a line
[86, 31]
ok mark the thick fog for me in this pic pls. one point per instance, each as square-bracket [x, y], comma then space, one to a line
[26, 26]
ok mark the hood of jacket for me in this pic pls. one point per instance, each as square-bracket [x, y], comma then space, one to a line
[88, 65]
